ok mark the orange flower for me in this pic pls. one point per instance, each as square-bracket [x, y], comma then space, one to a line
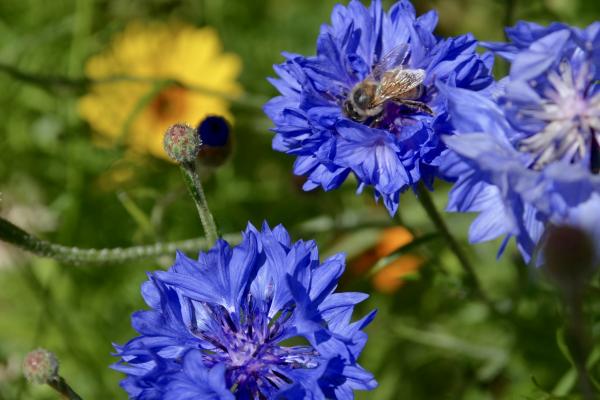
[390, 278]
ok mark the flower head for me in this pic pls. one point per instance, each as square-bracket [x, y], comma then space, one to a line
[40, 365]
[530, 155]
[144, 52]
[367, 102]
[259, 320]
[182, 143]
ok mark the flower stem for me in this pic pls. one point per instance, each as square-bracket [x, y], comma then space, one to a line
[192, 181]
[61, 386]
[431, 210]
[578, 342]
[509, 13]
[12, 234]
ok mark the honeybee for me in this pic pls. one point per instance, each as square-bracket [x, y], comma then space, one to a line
[389, 81]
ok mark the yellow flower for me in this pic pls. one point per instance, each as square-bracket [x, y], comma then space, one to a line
[128, 110]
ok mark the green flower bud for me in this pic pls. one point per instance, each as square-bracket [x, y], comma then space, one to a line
[39, 366]
[182, 143]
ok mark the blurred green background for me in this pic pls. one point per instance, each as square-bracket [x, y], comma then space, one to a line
[431, 339]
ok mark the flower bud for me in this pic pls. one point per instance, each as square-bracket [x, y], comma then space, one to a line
[181, 143]
[40, 365]
[569, 256]
[215, 134]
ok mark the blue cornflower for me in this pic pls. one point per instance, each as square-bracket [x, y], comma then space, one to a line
[390, 145]
[256, 321]
[530, 155]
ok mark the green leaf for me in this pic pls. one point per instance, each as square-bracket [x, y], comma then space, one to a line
[567, 382]
[561, 341]
[138, 215]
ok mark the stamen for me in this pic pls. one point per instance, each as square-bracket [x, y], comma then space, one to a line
[282, 376]
[595, 156]
[571, 117]
[249, 345]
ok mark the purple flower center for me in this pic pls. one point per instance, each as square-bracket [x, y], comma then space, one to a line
[249, 345]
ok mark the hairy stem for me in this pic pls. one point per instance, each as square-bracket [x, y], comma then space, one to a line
[192, 181]
[12, 234]
[440, 224]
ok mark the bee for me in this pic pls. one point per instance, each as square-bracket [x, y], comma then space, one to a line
[389, 81]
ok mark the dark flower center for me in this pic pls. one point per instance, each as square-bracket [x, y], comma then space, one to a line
[168, 104]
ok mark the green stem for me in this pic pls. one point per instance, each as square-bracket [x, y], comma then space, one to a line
[62, 387]
[578, 342]
[72, 255]
[440, 224]
[42, 80]
[447, 342]
[192, 181]
[509, 13]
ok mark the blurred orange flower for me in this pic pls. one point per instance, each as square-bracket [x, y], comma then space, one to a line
[130, 110]
[390, 278]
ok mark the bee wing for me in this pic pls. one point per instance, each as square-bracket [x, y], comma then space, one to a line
[390, 60]
[398, 82]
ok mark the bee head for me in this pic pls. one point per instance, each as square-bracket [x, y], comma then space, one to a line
[362, 96]
[358, 103]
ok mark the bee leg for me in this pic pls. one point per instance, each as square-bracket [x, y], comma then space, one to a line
[415, 105]
[376, 120]
[595, 156]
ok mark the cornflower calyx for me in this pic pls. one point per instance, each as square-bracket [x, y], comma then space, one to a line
[569, 254]
[182, 143]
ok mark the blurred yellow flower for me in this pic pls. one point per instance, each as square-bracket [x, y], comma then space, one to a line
[130, 110]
